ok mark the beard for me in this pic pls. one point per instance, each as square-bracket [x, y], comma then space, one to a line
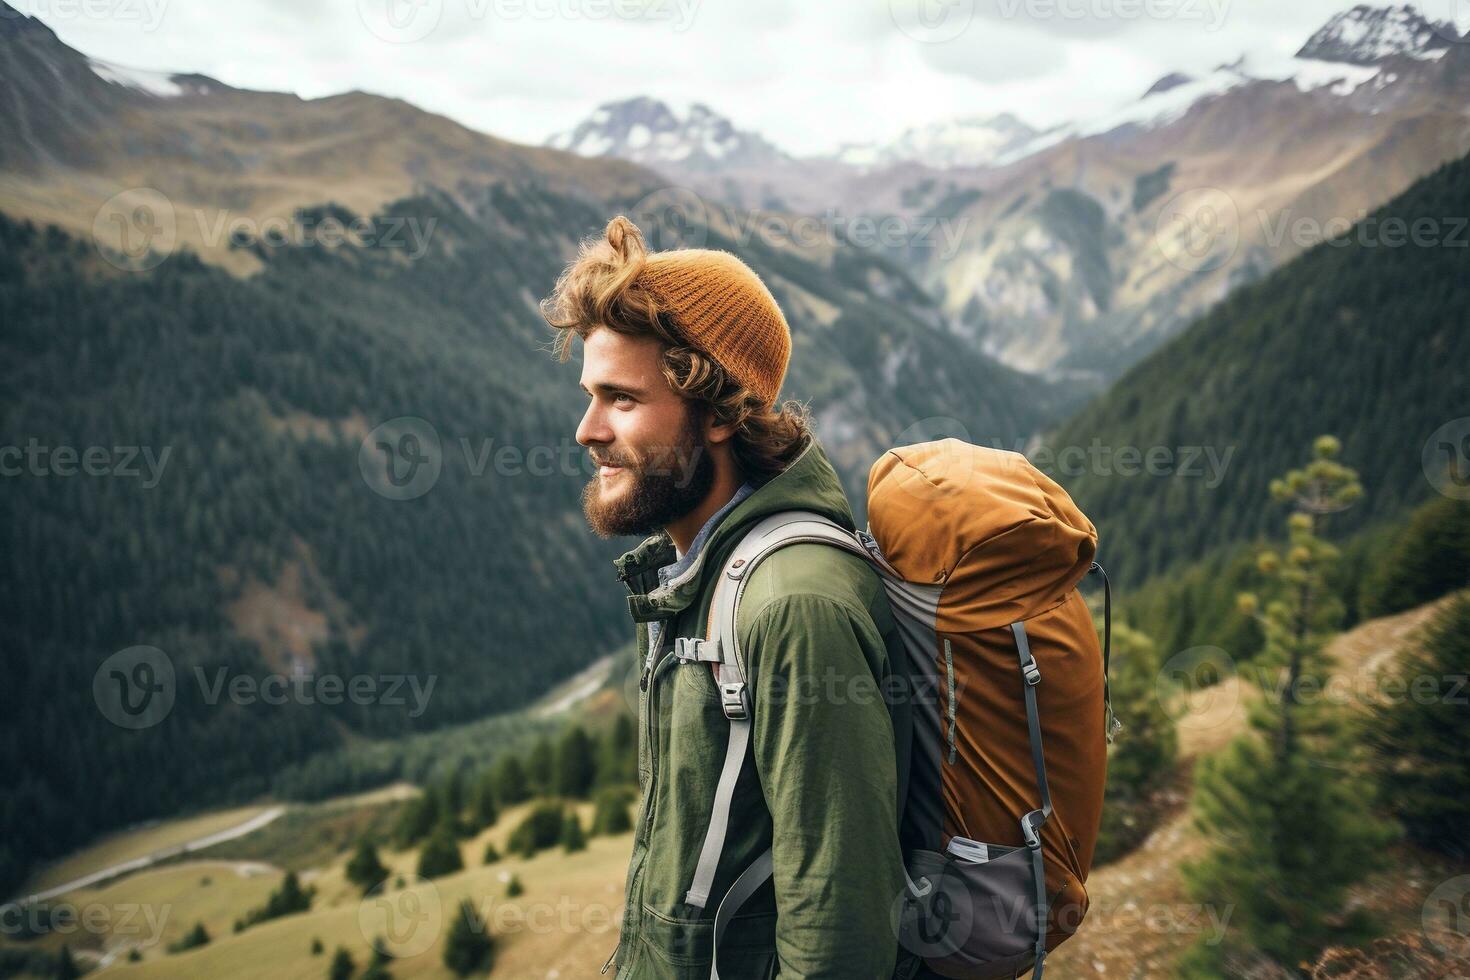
[658, 491]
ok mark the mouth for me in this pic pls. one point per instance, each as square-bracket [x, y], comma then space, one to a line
[607, 471]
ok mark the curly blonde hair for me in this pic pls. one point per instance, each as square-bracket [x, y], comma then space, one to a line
[600, 289]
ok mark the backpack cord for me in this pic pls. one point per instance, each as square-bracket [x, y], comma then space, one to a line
[1113, 724]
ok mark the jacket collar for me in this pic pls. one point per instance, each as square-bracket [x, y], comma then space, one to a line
[809, 482]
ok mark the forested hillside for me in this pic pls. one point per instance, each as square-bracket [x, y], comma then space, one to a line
[243, 524]
[1363, 336]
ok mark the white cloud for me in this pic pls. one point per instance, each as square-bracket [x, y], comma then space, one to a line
[808, 76]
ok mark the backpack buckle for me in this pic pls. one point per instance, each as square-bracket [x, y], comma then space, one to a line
[1028, 830]
[1033, 673]
[735, 701]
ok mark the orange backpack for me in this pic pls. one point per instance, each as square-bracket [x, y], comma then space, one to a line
[1001, 797]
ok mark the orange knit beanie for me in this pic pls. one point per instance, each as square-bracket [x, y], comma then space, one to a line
[723, 308]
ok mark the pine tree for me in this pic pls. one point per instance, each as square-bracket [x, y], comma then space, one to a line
[1418, 731]
[514, 887]
[572, 838]
[377, 968]
[440, 855]
[468, 948]
[192, 939]
[540, 767]
[342, 966]
[576, 766]
[610, 815]
[1427, 559]
[1282, 805]
[365, 870]
[484, 810]
[617, 760]
[1142, 758]
[451, 794]
[419, 817]
[66, 967]
[511, 784]
[492, 854]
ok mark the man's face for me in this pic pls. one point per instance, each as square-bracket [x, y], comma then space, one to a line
[654, 463]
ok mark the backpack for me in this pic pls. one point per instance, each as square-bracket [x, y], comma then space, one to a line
[1002, 747]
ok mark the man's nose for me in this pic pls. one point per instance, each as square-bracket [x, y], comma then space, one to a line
[593, 427]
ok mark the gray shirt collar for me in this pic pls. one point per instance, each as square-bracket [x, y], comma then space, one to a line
[669, 571]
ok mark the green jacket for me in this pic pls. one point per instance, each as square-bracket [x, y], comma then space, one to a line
[818, 638]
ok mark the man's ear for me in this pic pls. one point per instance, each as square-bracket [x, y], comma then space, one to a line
[716, 433]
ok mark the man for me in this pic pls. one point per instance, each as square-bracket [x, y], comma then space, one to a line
[684, 352]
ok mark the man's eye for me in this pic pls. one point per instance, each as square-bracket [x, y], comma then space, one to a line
[622, 395]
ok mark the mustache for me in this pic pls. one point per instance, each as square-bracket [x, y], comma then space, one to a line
[613, 461]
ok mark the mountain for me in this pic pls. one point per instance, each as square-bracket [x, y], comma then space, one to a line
[1361, 337]
[977, 141]
[288, 414]
[1368, 35]
[647, 131]
[1075, 251]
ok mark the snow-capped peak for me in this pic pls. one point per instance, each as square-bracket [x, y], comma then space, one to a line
[647, 131]
[973, 141]
[153, 82]
[1368, 35]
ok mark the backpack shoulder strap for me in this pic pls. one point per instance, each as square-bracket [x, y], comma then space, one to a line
[721, 649]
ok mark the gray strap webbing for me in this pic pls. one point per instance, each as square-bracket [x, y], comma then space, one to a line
[1032, 822]
[719, 821]
[743, 887]
[765, 537]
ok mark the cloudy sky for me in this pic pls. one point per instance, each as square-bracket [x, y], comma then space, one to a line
[809, 74]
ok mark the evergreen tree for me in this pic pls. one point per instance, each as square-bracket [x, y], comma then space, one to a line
[342, 966]
[192, 939]
[540, 767]
[492, 855]
[377, 968]
[576, 764]
[468, 948]
[1429, 558]
[440, 855]
[514, 887]
[1418, 730]
[451, 794]
[1142, 758]
[572, 838]
[617, 760]
[316, 946]
[66, 967]
[610, 817]
[511, 783]
[365, 870]
[418, 819]
[541, 828]
[484, 810]
[1282, 806]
